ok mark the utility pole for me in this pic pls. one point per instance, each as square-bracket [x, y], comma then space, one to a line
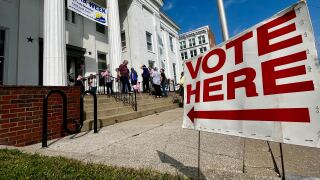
[223, 20]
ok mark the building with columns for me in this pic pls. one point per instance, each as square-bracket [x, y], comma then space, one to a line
[41, 41]
[195, 42]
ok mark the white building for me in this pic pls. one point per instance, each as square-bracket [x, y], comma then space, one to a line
[196, 42]
[41, 41]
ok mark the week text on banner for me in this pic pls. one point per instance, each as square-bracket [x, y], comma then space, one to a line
[89, 10]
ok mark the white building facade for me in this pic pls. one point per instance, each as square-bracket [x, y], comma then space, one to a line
[41, 41]
[196, 42]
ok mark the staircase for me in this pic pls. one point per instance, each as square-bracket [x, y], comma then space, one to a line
[110, 111]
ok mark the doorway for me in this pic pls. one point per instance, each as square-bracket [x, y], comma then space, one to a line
[75, 63]
[2, 48]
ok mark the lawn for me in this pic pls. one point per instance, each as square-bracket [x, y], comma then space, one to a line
[17, 165]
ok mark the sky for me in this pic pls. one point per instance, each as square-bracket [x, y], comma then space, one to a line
[241, 14]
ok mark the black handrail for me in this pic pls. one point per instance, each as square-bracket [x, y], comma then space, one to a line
[95, 111]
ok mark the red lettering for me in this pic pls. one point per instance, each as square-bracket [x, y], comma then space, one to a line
[221, 60]
[207, 89]
[247, 83]
[270, 75]
[238, 46]
[264, 36]
[195, 92]
[194, 72]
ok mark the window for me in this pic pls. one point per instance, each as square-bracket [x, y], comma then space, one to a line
[171, 43]
[163, 65]
[183, 45]
[102, 62]
[151, 63]
[123, 40]
[149, 41]
[100, 28]
[193, 53]
[192, 42]
[69, 13]
[203, 49]
[2, 41]
[202, 39]
[184, 55]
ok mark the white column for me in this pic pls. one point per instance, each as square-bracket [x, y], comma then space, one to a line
[136, 36]
[114, 34]
[54, 55]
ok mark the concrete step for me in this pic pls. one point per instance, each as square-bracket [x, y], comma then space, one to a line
[109, 120]
[89, 100]
[124, 109]
[112, 104]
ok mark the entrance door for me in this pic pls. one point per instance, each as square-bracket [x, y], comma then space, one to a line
[2, 43]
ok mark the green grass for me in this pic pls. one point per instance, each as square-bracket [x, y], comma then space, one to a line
[17, 165]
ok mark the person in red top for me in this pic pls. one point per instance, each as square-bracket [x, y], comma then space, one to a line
[124, 77]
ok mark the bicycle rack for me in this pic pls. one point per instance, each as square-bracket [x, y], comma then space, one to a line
[95, 111]
[65, 121]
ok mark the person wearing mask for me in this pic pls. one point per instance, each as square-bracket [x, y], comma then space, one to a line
[124, 77]
[156, 80]
[133, 77]
[145, 78]
[163, 83]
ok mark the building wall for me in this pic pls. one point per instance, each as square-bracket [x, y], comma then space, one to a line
[136, 19]
[9, 16]
[209, 41]
[21, 111]
[23, 19]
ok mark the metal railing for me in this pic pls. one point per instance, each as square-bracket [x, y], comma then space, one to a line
[95, 110]
[110, 86]
[174, 91]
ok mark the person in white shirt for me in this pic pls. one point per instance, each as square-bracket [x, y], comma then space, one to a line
[156, 79]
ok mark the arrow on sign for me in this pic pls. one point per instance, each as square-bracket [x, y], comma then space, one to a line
[276, 115]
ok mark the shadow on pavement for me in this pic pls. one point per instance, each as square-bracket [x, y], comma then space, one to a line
[191, 172]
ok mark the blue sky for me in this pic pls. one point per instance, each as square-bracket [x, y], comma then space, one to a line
[241, 14]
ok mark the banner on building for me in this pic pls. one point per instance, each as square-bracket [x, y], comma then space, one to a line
[89, 10]
[263, 83]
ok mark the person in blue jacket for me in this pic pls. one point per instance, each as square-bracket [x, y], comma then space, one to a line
[133, 76]
[146, 78]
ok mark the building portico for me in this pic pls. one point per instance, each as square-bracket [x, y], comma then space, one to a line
[64, 42]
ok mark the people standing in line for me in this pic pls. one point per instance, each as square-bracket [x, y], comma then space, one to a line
[133, 77]
[163, 83]
[145, 78]
[124, 77]
[108, 81]
[156, 80]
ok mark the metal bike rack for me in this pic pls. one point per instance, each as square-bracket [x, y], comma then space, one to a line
[95, 111]
[65, 110]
